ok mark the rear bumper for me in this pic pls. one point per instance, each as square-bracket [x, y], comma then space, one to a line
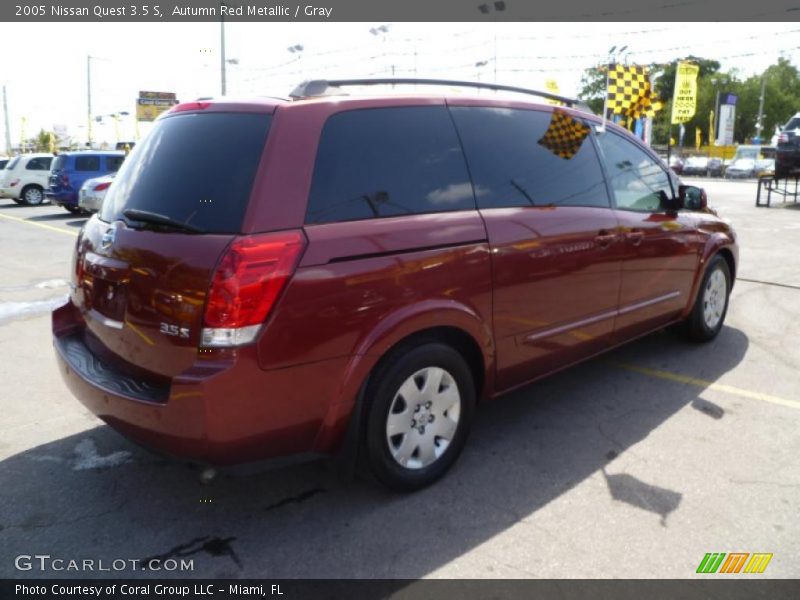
[89, 202]
[9, 192]
[221, 411]
[62, 198]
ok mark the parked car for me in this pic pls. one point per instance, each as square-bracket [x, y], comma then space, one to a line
[71, 169]
[92, 192]
[743, 164]
[24, 178]
[787, 155]
[765, 167]
[695, 165]
[341, 274]
[715, 167]
[676, 164]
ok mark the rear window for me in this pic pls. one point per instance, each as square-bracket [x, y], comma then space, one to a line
[13, 163]
[195, 168]
[87, 163]
[59, 162]
[793, 124]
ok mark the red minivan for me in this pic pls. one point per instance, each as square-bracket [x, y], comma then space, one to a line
[278, 278]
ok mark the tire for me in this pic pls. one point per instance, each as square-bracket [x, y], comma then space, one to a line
[32, 195]
[431, 425]
[711, 305]
[73, 209]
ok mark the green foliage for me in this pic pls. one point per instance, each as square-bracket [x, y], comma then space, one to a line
[781, 97]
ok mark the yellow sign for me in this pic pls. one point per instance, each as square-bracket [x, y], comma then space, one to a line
[150, 105]
[684, 99]
[551, 85]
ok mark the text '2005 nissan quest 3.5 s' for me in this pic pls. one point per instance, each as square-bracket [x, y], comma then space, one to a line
[270, 278]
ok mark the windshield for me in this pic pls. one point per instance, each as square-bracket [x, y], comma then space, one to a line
[196, 169]
[793, 124]
[749, 153]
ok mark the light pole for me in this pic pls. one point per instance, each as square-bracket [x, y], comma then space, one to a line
[298, 49]
[494, 8]
[115, 116]
[478, 66]
[382, 31]
[89, 100]
[761, 115]
[222, 61]
[610, 61]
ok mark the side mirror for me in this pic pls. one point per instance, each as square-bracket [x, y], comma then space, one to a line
[692, 198]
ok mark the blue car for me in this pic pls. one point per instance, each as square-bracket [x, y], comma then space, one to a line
[70, 169]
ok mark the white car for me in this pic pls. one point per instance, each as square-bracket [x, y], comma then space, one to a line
[25, 178]
[92, 192]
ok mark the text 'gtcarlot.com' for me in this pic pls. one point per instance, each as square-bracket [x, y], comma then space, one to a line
[45, 562]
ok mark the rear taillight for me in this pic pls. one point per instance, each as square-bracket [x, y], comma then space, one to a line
[65, 180]
[246, 283]
[102, 186]
[13, 182]
[783, 138]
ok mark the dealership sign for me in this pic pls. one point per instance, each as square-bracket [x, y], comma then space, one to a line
[149, 105]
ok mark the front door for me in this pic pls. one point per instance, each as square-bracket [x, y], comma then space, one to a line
[660, 243]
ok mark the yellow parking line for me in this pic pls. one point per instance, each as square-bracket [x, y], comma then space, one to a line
[42, 225]
[702, 383]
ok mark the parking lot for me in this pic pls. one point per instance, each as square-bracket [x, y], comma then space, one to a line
[633, 465]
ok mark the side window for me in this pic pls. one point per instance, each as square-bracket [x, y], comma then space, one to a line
[87, 163]
[639, 182]
[113, 163]
[384, 162]
[530, 158]
[40, 163]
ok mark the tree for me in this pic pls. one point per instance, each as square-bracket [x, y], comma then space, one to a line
[45, 141]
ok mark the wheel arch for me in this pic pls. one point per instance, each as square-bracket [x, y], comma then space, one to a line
[457, 326]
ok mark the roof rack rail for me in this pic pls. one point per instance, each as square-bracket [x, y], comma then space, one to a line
[318, 87]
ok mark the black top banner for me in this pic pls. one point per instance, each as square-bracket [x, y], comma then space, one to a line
[398, 10]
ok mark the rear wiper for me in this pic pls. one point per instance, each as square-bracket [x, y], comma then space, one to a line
[145, 216]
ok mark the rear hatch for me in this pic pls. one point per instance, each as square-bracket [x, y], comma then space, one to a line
[58, 180]
[144, 263]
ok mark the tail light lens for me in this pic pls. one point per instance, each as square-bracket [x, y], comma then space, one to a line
[783, 138]
[65, 180]
[246, 283]
[102, 186]
[13, 182]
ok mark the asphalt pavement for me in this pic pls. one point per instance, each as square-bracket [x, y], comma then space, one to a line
[632, 465]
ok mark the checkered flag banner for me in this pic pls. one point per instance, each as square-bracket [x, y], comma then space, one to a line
[645, 106]
[564, 135]
[626, 85]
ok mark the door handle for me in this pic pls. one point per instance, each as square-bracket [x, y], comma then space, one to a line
[604, 238]
[636, 236]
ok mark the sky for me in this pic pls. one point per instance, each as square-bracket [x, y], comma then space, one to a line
[45, 66]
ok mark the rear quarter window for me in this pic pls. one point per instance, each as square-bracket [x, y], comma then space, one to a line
[59, 162]
[197, 168]
[87, 163]
[113, 163]
[14, 162]
[40, 163]
[385, 162]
